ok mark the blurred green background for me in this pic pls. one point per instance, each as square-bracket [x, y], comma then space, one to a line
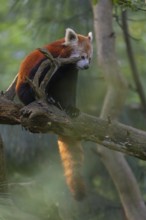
[36, 180]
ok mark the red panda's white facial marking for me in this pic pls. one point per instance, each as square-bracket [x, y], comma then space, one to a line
[81, 47]
[85, 58]
[83, 63]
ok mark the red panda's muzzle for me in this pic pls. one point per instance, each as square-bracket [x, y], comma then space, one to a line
[83, 64]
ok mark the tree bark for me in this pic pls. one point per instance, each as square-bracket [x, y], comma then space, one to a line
[9, 111]
[40, 117]
[115, 163]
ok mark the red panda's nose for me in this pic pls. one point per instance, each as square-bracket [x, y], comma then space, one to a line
[86, 66]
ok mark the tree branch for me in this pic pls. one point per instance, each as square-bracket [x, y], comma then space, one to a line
[39, 88]
[42, 117]
[132, 62]
[9, 111]
[10, 92]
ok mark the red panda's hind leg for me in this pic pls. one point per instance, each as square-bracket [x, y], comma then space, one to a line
[25, 93]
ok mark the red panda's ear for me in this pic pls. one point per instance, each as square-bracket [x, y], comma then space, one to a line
[90, 36]
[70, 36]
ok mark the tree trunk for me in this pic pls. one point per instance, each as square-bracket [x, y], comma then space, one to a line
[115, 163]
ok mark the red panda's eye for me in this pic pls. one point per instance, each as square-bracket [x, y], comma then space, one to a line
[83, 57]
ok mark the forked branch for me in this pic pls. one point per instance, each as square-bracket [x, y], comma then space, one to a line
[53, 64]
[39, 88]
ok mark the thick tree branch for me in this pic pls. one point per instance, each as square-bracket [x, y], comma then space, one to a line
[112, 135]
[9, 111]
[42, 117]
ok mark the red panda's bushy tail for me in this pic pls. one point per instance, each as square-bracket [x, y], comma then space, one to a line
[72, 157]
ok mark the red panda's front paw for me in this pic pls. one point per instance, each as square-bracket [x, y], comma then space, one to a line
[51, 100]
[73, 112]
[25, 112]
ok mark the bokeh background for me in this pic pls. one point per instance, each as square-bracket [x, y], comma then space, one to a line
[35, 174]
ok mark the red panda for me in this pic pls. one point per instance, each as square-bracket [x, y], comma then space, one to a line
[62, 89]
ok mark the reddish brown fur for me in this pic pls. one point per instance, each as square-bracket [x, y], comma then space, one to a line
[72, 158]
[56, 49]
[85, 42]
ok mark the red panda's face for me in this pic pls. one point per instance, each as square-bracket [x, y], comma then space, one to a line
[81, 47]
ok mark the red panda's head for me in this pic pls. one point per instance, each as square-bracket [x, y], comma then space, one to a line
[80, 46]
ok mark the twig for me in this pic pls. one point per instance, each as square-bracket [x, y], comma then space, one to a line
[132, 62]
[59, 60]
[41, 68]
[53, 64]
[10, 92]
[38, 93]
[121, 26]
[39, 90]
